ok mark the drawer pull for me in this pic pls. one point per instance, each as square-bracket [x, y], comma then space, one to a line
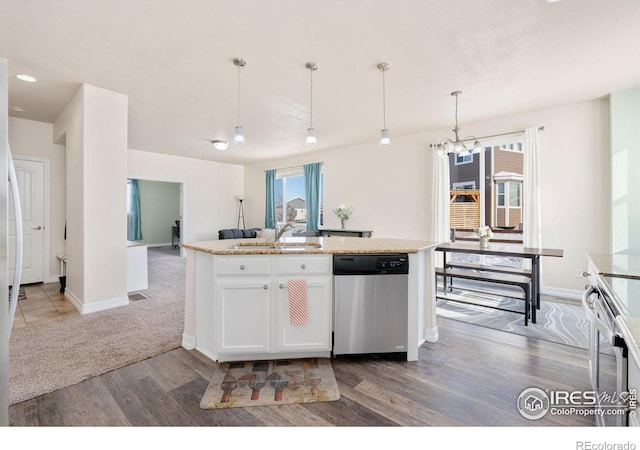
[302, 266]
[265, 287]
[242, 267]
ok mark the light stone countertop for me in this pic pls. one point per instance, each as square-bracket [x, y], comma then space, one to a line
[624, 266]
[328, 245]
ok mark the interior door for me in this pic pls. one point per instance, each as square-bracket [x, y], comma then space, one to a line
[30, 176]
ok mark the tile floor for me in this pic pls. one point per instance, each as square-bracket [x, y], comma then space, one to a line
[44, 303]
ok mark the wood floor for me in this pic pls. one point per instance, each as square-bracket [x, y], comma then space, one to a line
[471, 377]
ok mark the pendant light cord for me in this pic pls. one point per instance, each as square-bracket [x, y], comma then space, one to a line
[384, 102]
[239, 67]
[311, 101]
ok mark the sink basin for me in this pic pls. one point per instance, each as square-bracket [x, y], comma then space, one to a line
[288, 246]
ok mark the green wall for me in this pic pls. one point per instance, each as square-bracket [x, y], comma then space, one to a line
[625, 165]
[159, 209]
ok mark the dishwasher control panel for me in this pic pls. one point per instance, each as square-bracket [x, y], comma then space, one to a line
[371, 264]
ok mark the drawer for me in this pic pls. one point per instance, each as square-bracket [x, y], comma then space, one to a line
[242, 265]
[320, 264]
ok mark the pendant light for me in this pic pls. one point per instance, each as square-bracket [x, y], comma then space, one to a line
[461, 147]
[385, 137]
[238, 133]
[311, 139]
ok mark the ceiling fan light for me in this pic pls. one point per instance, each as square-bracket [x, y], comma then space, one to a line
[238, 135]
[385, 138]
[312, 139]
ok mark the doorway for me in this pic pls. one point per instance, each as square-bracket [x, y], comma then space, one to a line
[160, 213]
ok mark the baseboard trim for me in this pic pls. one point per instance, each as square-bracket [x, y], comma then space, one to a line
[188, 341]
[431, 334]
[561, 292]
[86, 308]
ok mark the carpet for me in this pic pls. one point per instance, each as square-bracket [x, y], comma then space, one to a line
[53, 355]
[558, 320]
[279, 382]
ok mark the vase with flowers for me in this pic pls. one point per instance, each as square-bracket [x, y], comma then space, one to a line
[343, 212]
[484, 233]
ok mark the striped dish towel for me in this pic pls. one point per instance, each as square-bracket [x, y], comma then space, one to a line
[298, 302]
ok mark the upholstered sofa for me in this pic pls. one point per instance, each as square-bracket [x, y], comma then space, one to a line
[236, 233]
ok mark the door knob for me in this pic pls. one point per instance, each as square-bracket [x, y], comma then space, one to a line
[37, 228]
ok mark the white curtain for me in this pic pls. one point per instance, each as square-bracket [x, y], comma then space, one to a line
[440, 220]
[532, 218]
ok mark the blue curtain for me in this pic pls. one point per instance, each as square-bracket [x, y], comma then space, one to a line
[312, 191]
[270, 201]
[134, 224]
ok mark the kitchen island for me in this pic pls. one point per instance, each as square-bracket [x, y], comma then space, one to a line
[236, 295]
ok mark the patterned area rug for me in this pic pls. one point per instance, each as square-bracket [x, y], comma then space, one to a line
[560, 321]
[260, 383]
[21, 293]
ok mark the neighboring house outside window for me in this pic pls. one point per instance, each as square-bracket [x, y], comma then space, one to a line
[290, 201]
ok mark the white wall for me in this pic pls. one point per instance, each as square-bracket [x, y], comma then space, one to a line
[35, 139]
[208, 190]
[95, 126]
[390, 187]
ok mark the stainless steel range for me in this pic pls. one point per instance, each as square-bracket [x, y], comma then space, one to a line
[607, 299]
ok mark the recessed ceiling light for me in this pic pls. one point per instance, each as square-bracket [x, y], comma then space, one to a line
[17, 108]
[552, 1]
[27, 78]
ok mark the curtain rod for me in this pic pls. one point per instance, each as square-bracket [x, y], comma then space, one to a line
[290, 168]
[541, 128]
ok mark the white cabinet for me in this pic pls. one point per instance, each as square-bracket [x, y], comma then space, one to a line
[242, 309]
[316, 333]
[249, 307]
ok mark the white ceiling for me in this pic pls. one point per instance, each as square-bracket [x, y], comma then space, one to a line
[174, 59]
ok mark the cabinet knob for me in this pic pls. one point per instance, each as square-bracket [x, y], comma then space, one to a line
[281, 286]
[242, 267]
[265, 287]
[302, 266]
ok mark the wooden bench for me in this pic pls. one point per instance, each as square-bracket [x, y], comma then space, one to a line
[509, 279]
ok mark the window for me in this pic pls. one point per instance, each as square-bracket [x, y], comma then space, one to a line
[500, 195]
[514, 194]
[513, 146]
[497, 174]
[464, 159]
[508, 193]
[291, 202]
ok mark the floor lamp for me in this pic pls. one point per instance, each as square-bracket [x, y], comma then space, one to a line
[241, 211]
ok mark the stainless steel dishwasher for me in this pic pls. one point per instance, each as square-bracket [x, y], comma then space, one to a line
[370, 303]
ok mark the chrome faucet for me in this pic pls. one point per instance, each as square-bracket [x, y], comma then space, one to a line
[280, 231]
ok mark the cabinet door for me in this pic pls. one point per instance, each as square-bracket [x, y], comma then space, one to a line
[316, 334]
[242, 315]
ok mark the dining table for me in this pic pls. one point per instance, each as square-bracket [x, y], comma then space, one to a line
[533, 254]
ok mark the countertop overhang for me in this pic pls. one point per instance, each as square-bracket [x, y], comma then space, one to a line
[328, 245]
